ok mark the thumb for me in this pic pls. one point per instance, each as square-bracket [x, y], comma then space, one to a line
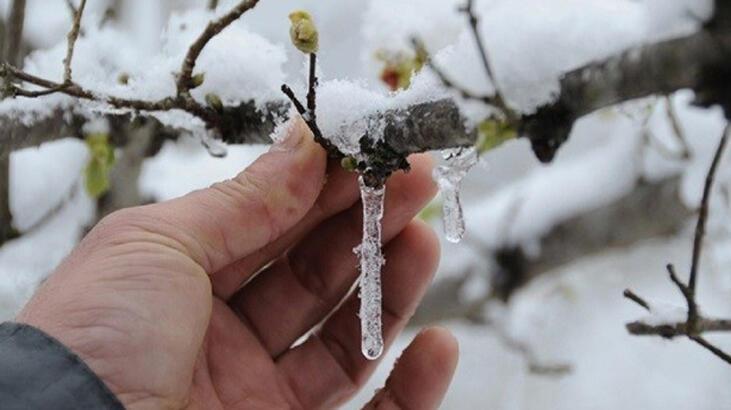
[229, 220]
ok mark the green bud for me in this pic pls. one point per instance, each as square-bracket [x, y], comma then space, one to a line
[303, 32]
[214, 101]
[197, 80]
[123, 78]
[99, 167]
[432, 211]
[349, 164]
[493, 133]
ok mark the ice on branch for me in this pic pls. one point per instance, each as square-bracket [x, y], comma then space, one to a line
[371, 261]
[449, 179]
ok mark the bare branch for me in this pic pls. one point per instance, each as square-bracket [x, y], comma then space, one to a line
[695, 324]
[72, 37]
[498, 99]
[713, 349]
[445, 79]
[700, 229]
[186, 70]
[635, 298]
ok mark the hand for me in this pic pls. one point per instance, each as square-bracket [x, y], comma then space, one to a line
[197, 302]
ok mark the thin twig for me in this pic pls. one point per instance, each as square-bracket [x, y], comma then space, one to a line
[703, 213]
[72, 8]
[695, 324]
[713, 349]
[182, 101]
[474, 22]
[445, 79]
[72, 37]
[212, 4]
[637, 299]
[185, 82]
[312, 88]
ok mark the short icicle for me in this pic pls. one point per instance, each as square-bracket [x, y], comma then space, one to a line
[449, 179]
[371, 261]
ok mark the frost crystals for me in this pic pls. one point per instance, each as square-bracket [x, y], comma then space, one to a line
[449, 178]
[371, 261]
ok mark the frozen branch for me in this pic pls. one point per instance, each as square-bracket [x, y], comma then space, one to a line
[695, 324]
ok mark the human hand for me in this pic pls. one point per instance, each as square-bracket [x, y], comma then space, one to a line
[165, 304]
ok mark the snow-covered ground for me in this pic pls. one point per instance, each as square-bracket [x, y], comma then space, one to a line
[572, 315]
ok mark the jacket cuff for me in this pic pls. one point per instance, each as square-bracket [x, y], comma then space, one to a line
[38, 372]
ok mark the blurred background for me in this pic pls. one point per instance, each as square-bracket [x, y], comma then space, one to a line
[534, 291]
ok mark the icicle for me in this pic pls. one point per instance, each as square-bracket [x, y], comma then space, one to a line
[449, 178]
[213, 145]
[371, 261]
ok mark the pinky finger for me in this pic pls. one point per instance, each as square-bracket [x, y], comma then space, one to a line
[421, 376]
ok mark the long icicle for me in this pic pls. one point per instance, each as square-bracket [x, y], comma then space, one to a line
[449, 179]
[371, 262]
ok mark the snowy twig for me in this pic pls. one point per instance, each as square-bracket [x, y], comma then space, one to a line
[309, 113]
[445, 79]
[72, 37]
[183, 100]
[641, 72]
[695, 324]
[185, 82]
[629, 294]
[497, 99]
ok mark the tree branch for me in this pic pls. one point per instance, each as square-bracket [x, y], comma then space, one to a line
[72, 37]
[648, 70]
[695, 324]
[185, 82]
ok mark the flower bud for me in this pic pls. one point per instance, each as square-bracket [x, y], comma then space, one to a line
[214, 101]
[197, 80]
[303, 32]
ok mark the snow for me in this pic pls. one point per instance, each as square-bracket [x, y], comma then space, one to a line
[664, 313]
[371, 261]
[44, 186]
[576, 315]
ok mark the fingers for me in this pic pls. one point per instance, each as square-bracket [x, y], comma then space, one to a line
[300, 289]
[339, 193]
[231, 219]
[334, 353]
[421, 376]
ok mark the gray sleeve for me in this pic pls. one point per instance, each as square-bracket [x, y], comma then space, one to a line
[38, 372]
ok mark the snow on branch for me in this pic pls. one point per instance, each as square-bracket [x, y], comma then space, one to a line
[696, 62]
